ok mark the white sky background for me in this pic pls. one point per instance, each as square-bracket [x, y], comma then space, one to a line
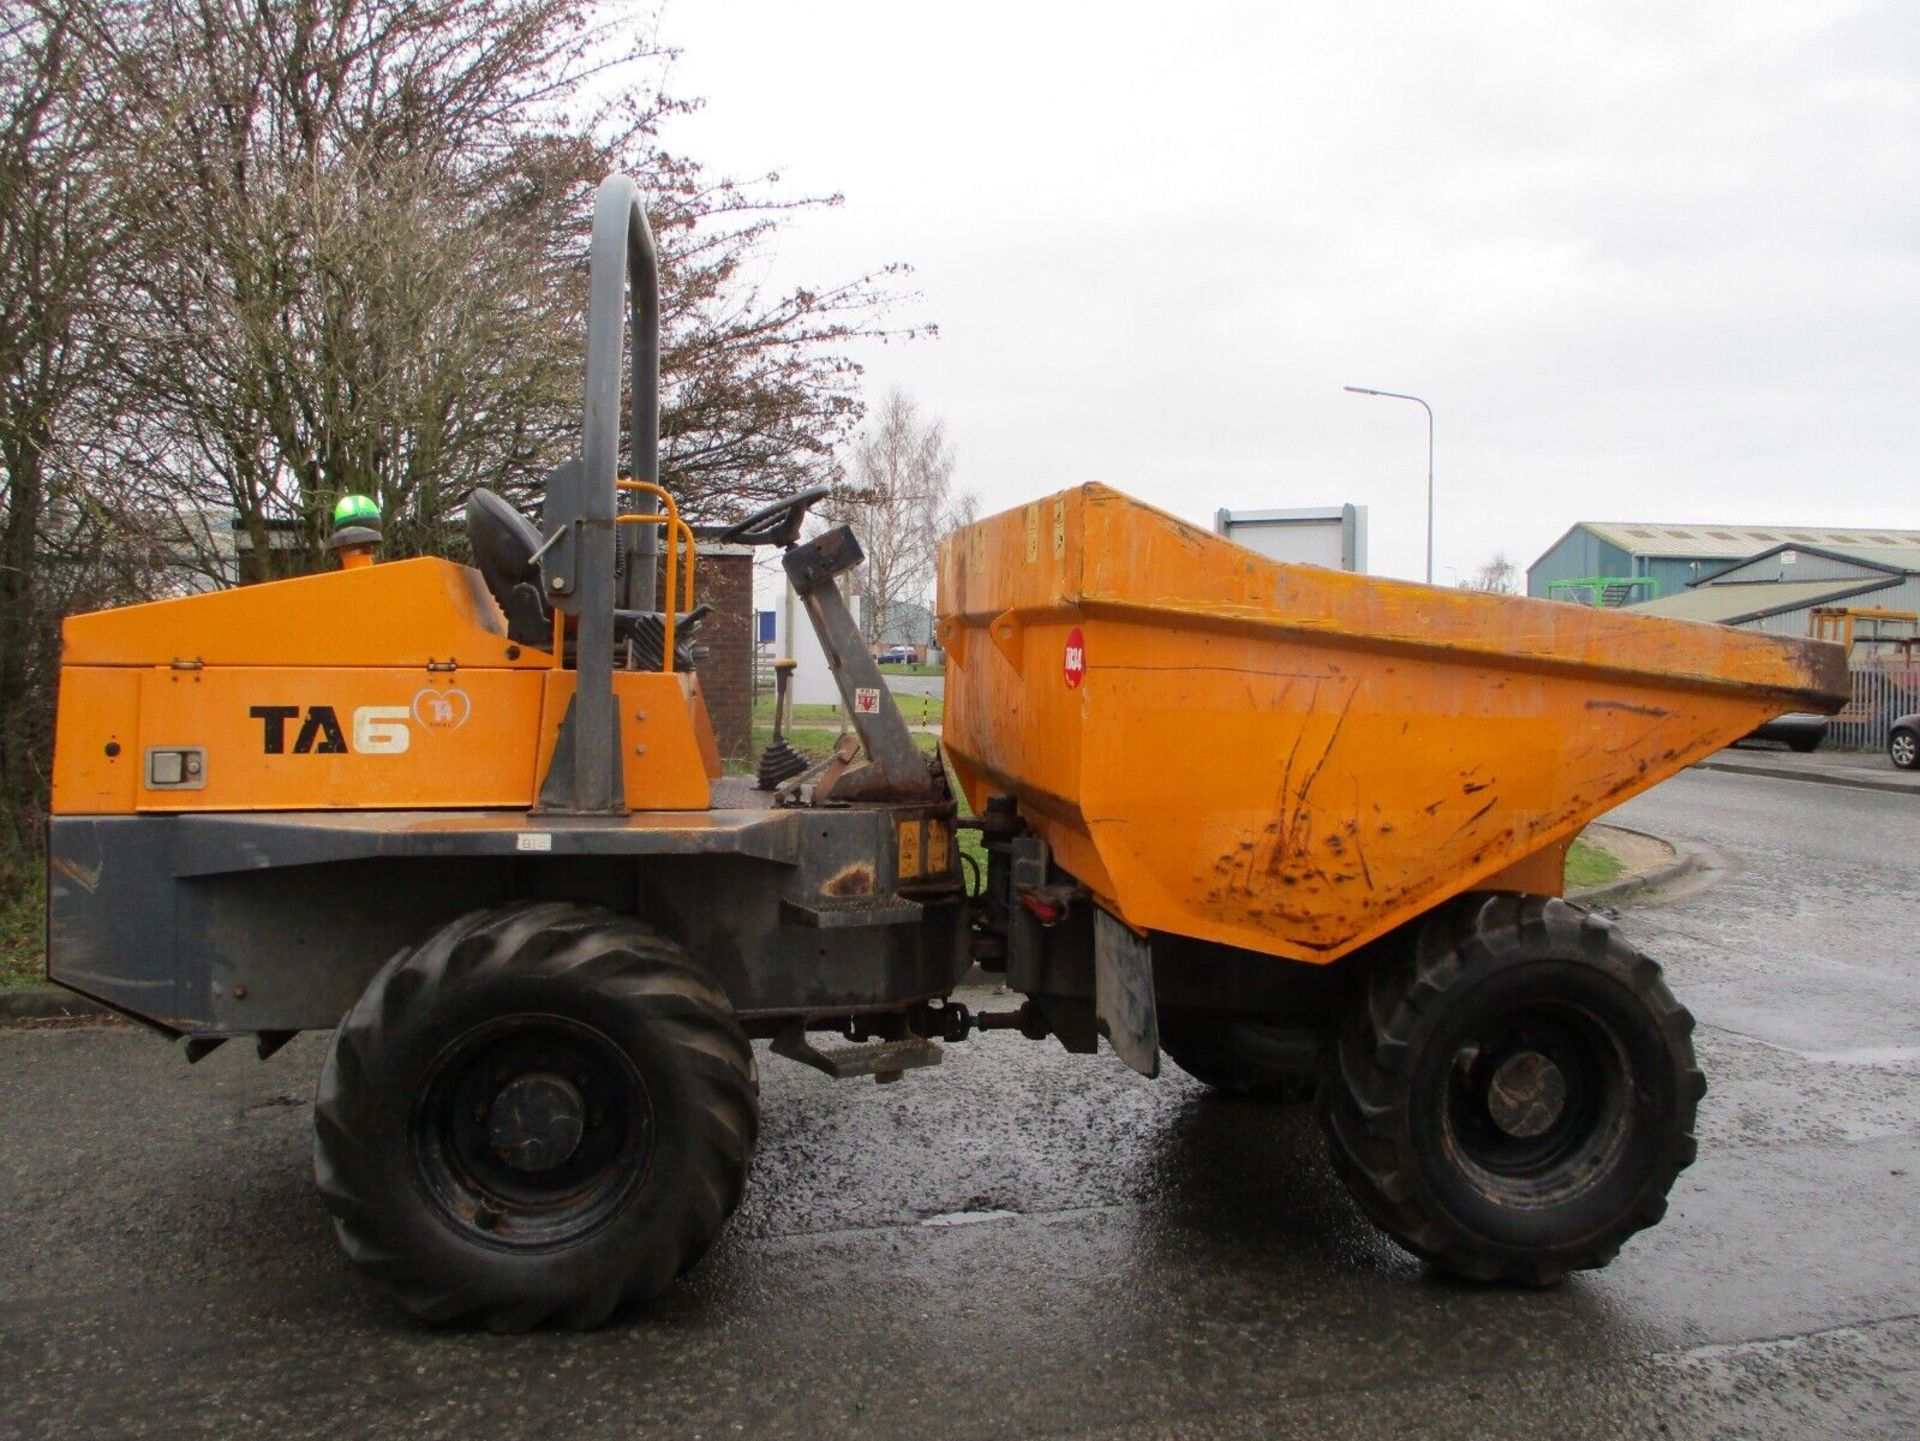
[1647, 261]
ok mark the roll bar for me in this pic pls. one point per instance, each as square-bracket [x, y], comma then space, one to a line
[583, 542]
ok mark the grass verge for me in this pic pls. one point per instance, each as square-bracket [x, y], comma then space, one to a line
[1590, 865]
[917, 710]
[23, 960]
[802, 714]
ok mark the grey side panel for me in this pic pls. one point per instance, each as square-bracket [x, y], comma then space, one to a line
[110, 914]
[214, 925]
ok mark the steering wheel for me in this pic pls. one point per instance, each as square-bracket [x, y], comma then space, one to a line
[777, 523]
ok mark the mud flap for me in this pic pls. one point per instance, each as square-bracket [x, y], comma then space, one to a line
[1123, 993]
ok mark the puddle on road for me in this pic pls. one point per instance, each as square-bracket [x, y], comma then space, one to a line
[1868, 1057]
[967, 1218]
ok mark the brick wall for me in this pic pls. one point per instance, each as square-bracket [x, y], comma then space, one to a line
[724, 580]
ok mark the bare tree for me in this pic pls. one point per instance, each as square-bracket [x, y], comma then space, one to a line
[1499, 576]
[362, 264]
[963, 509]
[66, 541]
[900, 502]
[258, 253]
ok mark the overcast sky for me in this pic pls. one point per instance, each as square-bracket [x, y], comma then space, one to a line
[1647, 261]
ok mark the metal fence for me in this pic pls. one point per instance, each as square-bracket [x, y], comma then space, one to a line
[1879, 695]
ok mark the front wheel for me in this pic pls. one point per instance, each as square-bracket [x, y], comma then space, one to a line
[543, 1111]
[1514, 1096]
[1903, 748]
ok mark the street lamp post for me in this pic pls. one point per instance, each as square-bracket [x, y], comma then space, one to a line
[1396, 395]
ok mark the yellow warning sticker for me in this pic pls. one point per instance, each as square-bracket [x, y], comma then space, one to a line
[909, 850]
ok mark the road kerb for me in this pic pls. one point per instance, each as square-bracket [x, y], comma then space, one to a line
[1685, 862]
[1865, 781]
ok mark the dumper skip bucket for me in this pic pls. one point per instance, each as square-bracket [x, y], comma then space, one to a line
[1294, 760]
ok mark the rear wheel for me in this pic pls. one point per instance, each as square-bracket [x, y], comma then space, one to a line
[1242, 1058]
[1514, 1097]
[543, 1111]
[1903, 748]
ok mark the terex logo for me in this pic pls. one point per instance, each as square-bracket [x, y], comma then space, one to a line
[378, 730]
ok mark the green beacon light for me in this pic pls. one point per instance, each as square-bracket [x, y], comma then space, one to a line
[356, 530]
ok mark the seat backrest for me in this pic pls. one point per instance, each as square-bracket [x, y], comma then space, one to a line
[503, 543]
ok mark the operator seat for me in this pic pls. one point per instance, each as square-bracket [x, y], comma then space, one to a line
[504, 543]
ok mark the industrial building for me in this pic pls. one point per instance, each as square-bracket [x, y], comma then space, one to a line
[1630, 562]
[1777, 589]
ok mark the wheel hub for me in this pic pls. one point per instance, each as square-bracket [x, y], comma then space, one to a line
[1526, 1095]
[536, 1121]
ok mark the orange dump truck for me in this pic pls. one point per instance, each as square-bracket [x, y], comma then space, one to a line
[1300, 829]
[1297, 825]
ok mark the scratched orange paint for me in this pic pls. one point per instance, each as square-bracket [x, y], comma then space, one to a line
[1295, 760]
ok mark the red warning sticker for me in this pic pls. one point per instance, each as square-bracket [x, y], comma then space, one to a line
[1074, 666]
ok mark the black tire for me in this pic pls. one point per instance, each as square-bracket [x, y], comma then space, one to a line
[1805, 745]
[1240, 1058]
[1903, 748]
[542, 1112]
[1447, 1129]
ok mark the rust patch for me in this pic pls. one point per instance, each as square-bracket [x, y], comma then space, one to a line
[1628, 706]
[856, 880]
[1473, 819]
[1292, 806]
[1360, 854]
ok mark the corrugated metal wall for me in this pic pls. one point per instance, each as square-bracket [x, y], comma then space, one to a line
[1905, 596]
[1577, 555]
[1803, 566]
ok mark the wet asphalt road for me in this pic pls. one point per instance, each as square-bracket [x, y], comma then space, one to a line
[1024, 1243]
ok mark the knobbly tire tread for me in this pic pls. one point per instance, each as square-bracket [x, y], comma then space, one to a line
[708, 1109]
[1365, 1105]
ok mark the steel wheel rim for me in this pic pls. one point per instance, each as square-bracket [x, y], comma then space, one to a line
[1903, 748]
[532, 1131]
[1538, 1105]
